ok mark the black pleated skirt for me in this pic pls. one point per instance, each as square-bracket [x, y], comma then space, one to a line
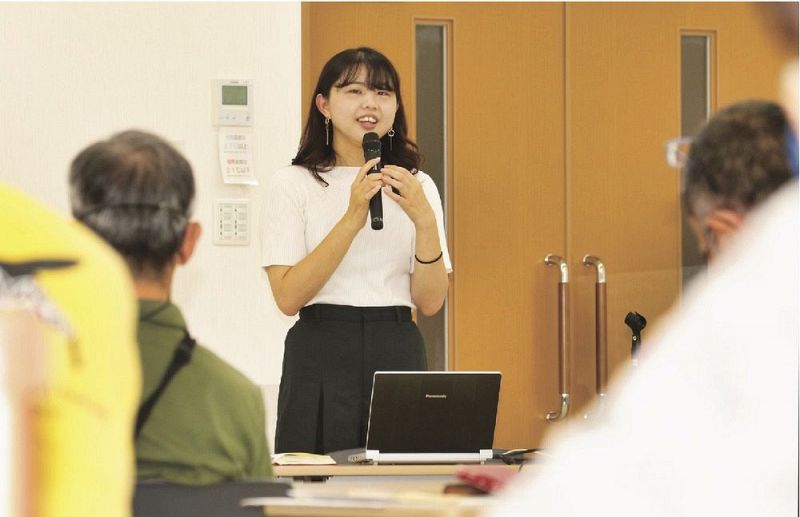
[330, 356]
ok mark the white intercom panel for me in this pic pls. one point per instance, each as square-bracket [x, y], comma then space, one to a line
[232, 102]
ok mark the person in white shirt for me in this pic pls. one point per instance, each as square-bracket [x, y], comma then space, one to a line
[708, 422]
[353, 286]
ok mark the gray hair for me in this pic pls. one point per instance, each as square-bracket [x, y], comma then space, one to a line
[135, 191]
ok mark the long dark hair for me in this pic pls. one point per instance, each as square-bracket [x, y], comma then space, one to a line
[340, 70]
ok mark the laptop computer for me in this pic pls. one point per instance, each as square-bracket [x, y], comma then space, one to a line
[431, 417]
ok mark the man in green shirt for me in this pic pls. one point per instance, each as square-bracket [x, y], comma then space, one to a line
[207, 422]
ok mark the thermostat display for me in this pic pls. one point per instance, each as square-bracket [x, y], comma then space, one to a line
[233, 95]
[233, 105]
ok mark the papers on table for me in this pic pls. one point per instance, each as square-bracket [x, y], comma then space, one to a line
[301, 458]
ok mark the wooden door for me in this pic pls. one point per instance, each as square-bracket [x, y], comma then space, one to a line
[509, 207]
[623, 89]
[559, 115]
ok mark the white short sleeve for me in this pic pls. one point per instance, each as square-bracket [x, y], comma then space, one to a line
[283, 220]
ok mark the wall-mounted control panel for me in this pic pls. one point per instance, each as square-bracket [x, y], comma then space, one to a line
[232, 102]
[232, 222]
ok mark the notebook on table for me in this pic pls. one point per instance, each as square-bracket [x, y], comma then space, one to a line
[431, 417]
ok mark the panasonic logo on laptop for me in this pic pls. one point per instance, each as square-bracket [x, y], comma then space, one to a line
[430, 396]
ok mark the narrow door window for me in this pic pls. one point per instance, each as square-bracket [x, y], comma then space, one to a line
[431, 117]
[696, 102]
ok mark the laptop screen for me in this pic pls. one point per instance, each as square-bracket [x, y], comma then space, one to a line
[433, 412]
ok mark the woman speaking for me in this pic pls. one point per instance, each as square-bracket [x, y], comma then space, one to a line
[353, 286]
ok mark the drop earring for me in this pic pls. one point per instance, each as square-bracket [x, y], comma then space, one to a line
[391, 137]
[327, 136]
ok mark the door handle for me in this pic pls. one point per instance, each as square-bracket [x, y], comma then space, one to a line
[563, 358]
[600, 332]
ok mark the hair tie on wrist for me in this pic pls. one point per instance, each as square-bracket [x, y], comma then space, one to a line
[429, 261]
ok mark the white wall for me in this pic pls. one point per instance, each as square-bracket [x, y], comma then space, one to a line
[74, 73]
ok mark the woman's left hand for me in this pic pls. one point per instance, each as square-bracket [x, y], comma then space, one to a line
[411, 199]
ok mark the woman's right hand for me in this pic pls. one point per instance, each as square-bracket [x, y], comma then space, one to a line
[364, 186]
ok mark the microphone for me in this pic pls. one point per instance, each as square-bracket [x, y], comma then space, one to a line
[372, 149]
[637, 323]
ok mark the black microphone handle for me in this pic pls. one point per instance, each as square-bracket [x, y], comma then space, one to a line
[376, 204]
[636, 342]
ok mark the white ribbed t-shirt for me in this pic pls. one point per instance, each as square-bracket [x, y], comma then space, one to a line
[299, 212]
